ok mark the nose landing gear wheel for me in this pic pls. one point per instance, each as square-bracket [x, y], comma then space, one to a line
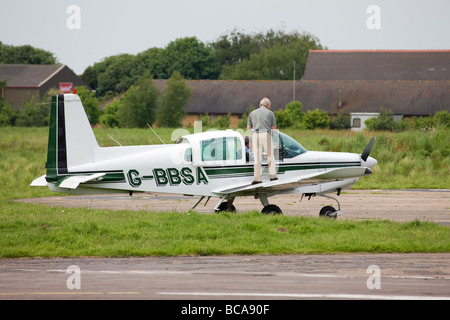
[328, 212]
[271, 209]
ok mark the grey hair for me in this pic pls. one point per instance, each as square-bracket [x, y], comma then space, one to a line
[265, 102]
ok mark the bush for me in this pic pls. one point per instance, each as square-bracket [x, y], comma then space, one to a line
[384, 121]
[340, 121]
[205, 120]
[7, 115]
[109, 118]
[441, 118]
[295, 112]
[291, 117]
[283, 120]
[242, 123]
[35, 114]
[316, 119]
[222, 122]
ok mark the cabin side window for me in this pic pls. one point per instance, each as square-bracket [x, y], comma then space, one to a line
[188, 155]
[221, 149]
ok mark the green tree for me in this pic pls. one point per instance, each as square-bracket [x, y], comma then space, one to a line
[7, 113]
[267, 56]
[175, 97]
[89, 76]
[120, 73]
[25, 55]
[153, 61]
[138, 105]
[191, 58]
[90, 104]
[236, 47]
[109, 118]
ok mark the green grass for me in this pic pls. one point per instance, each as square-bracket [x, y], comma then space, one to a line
[413, 159]
[33, 230]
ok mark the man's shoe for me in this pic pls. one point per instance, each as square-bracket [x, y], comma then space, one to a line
[273, 179]
[256, 182]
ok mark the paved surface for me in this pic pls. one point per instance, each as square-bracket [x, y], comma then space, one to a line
[397, 205]
[395, 276]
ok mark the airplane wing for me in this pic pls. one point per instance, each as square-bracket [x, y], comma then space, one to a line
[301, 180]
[73, 182]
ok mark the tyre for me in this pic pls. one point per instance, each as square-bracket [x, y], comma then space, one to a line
[328, 211]
[223, 207]
[271, 209]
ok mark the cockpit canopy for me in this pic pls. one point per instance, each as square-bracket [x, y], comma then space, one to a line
[286, 146]
[227, 148]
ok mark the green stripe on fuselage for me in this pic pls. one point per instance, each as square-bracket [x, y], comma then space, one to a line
[112, 177]
[232, 172]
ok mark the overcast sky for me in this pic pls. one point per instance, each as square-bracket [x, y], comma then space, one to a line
[82, 32]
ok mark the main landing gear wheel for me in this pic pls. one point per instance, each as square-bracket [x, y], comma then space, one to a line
[224, 207]
[271, 209]
[329, 212]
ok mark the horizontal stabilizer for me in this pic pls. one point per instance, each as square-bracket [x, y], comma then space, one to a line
[74, 181]
[39, 182]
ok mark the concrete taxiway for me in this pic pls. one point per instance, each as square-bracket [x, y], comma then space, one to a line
[396, 205]
[347, 276]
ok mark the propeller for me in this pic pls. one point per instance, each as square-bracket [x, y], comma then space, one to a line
[367, 150]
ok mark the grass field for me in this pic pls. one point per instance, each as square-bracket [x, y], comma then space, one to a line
[413, 159]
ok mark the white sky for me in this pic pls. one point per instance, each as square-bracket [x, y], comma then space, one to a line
[110, 27]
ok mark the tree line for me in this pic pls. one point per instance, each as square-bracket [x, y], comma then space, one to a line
[262, 56]
[238, 56]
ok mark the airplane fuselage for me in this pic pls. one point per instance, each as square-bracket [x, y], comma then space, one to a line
[164, 169]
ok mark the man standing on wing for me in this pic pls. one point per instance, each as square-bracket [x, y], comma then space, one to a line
[262, 121]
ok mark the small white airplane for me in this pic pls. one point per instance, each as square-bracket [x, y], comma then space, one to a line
[207, 164]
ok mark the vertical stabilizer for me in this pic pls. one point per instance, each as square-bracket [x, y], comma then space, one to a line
[71, 141]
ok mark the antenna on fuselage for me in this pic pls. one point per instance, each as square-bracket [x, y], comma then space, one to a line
[115, 140]
[155, 133]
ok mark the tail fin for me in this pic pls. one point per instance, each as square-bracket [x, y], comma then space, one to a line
[71, 141]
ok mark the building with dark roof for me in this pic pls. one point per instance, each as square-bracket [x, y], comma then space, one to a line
[25, 81]
[378, 65]
[410, 83]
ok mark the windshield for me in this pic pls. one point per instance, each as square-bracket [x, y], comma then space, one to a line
[288, 146]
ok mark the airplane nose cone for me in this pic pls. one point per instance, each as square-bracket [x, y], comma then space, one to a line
[371, 162]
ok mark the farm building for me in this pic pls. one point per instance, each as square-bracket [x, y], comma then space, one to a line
[410, 83]
[25, 81]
